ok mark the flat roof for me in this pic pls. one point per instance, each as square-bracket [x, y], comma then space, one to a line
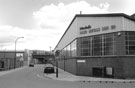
[96, 15]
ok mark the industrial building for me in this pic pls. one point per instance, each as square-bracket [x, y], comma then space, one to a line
[11, 59]
[99, 45]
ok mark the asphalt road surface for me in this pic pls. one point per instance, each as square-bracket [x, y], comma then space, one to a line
[28, 78]
[32, 77]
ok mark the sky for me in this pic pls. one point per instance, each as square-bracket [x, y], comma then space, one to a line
[43, 22]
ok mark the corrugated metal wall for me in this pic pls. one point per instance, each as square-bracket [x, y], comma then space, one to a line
[128, 25]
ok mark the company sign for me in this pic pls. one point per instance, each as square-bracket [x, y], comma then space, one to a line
[88, 29]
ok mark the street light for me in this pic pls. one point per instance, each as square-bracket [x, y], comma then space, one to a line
[15, 51]
[50, 49]
[57, 53]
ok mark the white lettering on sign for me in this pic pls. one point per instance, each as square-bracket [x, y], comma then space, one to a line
[81, 61]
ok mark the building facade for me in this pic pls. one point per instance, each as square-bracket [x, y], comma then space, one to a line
[11, 59]
[100, 45]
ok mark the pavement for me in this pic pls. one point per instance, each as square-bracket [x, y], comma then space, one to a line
[11, 70]
[66, 76]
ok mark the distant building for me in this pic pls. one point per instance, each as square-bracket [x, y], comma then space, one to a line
[101, 45]
[7, 59]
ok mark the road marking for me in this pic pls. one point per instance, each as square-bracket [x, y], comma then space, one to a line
[39, 76]
[43, 77]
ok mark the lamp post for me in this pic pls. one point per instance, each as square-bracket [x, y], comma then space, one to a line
[56, 59]
[15, 51]
[50, 49]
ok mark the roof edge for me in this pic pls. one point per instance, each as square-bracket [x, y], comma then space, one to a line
[95, 15]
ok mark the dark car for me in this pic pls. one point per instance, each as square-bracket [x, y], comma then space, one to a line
[31, 65]
[49, 68]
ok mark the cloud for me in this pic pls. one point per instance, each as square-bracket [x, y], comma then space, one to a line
[105, 5]
[33, 39]
[129, 7]
[52, 20]
[58, 16]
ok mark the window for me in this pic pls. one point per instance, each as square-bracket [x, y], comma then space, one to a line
[109, 44]
[130, 43]
[73, 48]
[85, 46]
[68, 51]
[98, 45]
[65, 52]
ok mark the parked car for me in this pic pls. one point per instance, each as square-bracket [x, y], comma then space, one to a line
[49, 68]
[31, 65]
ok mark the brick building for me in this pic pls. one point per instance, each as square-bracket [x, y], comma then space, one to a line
[100, 45]
[7, 59]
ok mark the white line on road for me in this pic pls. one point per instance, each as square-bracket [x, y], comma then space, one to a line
[39, 76]
[43, 77]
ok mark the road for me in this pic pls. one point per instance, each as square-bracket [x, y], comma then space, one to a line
[32, 77]
[28, 78]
